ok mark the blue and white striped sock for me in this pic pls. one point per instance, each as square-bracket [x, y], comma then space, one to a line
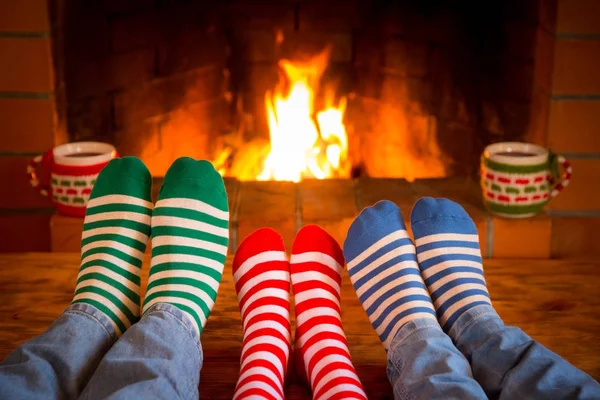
[449, 257]
[383, 269]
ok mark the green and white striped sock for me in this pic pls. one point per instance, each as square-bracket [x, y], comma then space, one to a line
[190, 234]
[115, 233]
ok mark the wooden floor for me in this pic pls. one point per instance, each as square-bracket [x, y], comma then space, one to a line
[556, 302]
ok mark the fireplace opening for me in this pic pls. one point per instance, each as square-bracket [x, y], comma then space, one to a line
[272, 90]
[307, 133]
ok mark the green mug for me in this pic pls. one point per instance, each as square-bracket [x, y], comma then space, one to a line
[519, 179]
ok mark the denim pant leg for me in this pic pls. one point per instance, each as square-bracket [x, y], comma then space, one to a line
[424, 364]
[59, 362]
[158, 357]
[508, 364]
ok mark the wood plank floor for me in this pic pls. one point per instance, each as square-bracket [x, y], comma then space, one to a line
[556, 302]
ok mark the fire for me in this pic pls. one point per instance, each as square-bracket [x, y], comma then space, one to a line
[308, 138]
[307, 135]
[304, 144]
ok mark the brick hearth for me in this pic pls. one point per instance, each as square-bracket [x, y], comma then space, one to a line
[333, 204]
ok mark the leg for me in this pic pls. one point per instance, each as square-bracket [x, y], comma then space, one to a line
[59, 362]
[505, 361]
[161, 356]
[316, 267]
[422, 361]
[262, 282]
[511, 365]
[115, 232]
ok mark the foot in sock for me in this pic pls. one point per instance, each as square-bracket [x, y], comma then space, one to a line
[316, 267]
[383, 269]
[262, 282]
[449, 258]
[115, 234]
[189, 240]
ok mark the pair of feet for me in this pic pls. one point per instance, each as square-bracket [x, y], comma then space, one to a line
[189, 229]
[438, 277]
[262, 275]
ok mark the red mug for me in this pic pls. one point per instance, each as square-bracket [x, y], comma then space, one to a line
[70, 171]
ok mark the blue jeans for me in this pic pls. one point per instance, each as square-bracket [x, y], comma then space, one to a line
[79, 356]
[487, 360]
[161, 357]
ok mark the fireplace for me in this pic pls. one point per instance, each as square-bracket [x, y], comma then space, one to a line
[419, 88]
[423, 86]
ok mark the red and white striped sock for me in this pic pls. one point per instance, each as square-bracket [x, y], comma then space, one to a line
[316, 267]
[262, 282]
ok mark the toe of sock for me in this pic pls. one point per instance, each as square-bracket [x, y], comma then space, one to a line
[129, 166]
[195, 179]
[259, 241]
[127, 176]
[431, 216]
[188, 168]
[312, 238]
[428, 207]
[371, 216]
[376, 222]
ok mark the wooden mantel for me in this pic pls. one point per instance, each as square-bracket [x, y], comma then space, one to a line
[556, 302]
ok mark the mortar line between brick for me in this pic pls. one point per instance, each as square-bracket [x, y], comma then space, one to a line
[357, 195]
[24, 34]
[28, 211]
[26, 95]
[234, 217]
[580, 156]
[574, 213]
[575, 97]
[577, 36]
[20, 153]
[489, 237]
[298, 206]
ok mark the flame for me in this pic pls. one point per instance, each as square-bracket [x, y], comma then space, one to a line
[304, 144]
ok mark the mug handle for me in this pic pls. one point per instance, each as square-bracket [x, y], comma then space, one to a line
[46, 160]
[560, 180]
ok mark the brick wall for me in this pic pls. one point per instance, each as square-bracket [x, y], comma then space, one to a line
[144, 75]
[27, 114]
[303, 28]
[574, 125]
[448, 80]
[432, 81]
[421, 104]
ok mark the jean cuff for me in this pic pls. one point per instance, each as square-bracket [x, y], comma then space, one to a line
[470, 317]
[182, 319]
[411, 328]
[96, 315]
